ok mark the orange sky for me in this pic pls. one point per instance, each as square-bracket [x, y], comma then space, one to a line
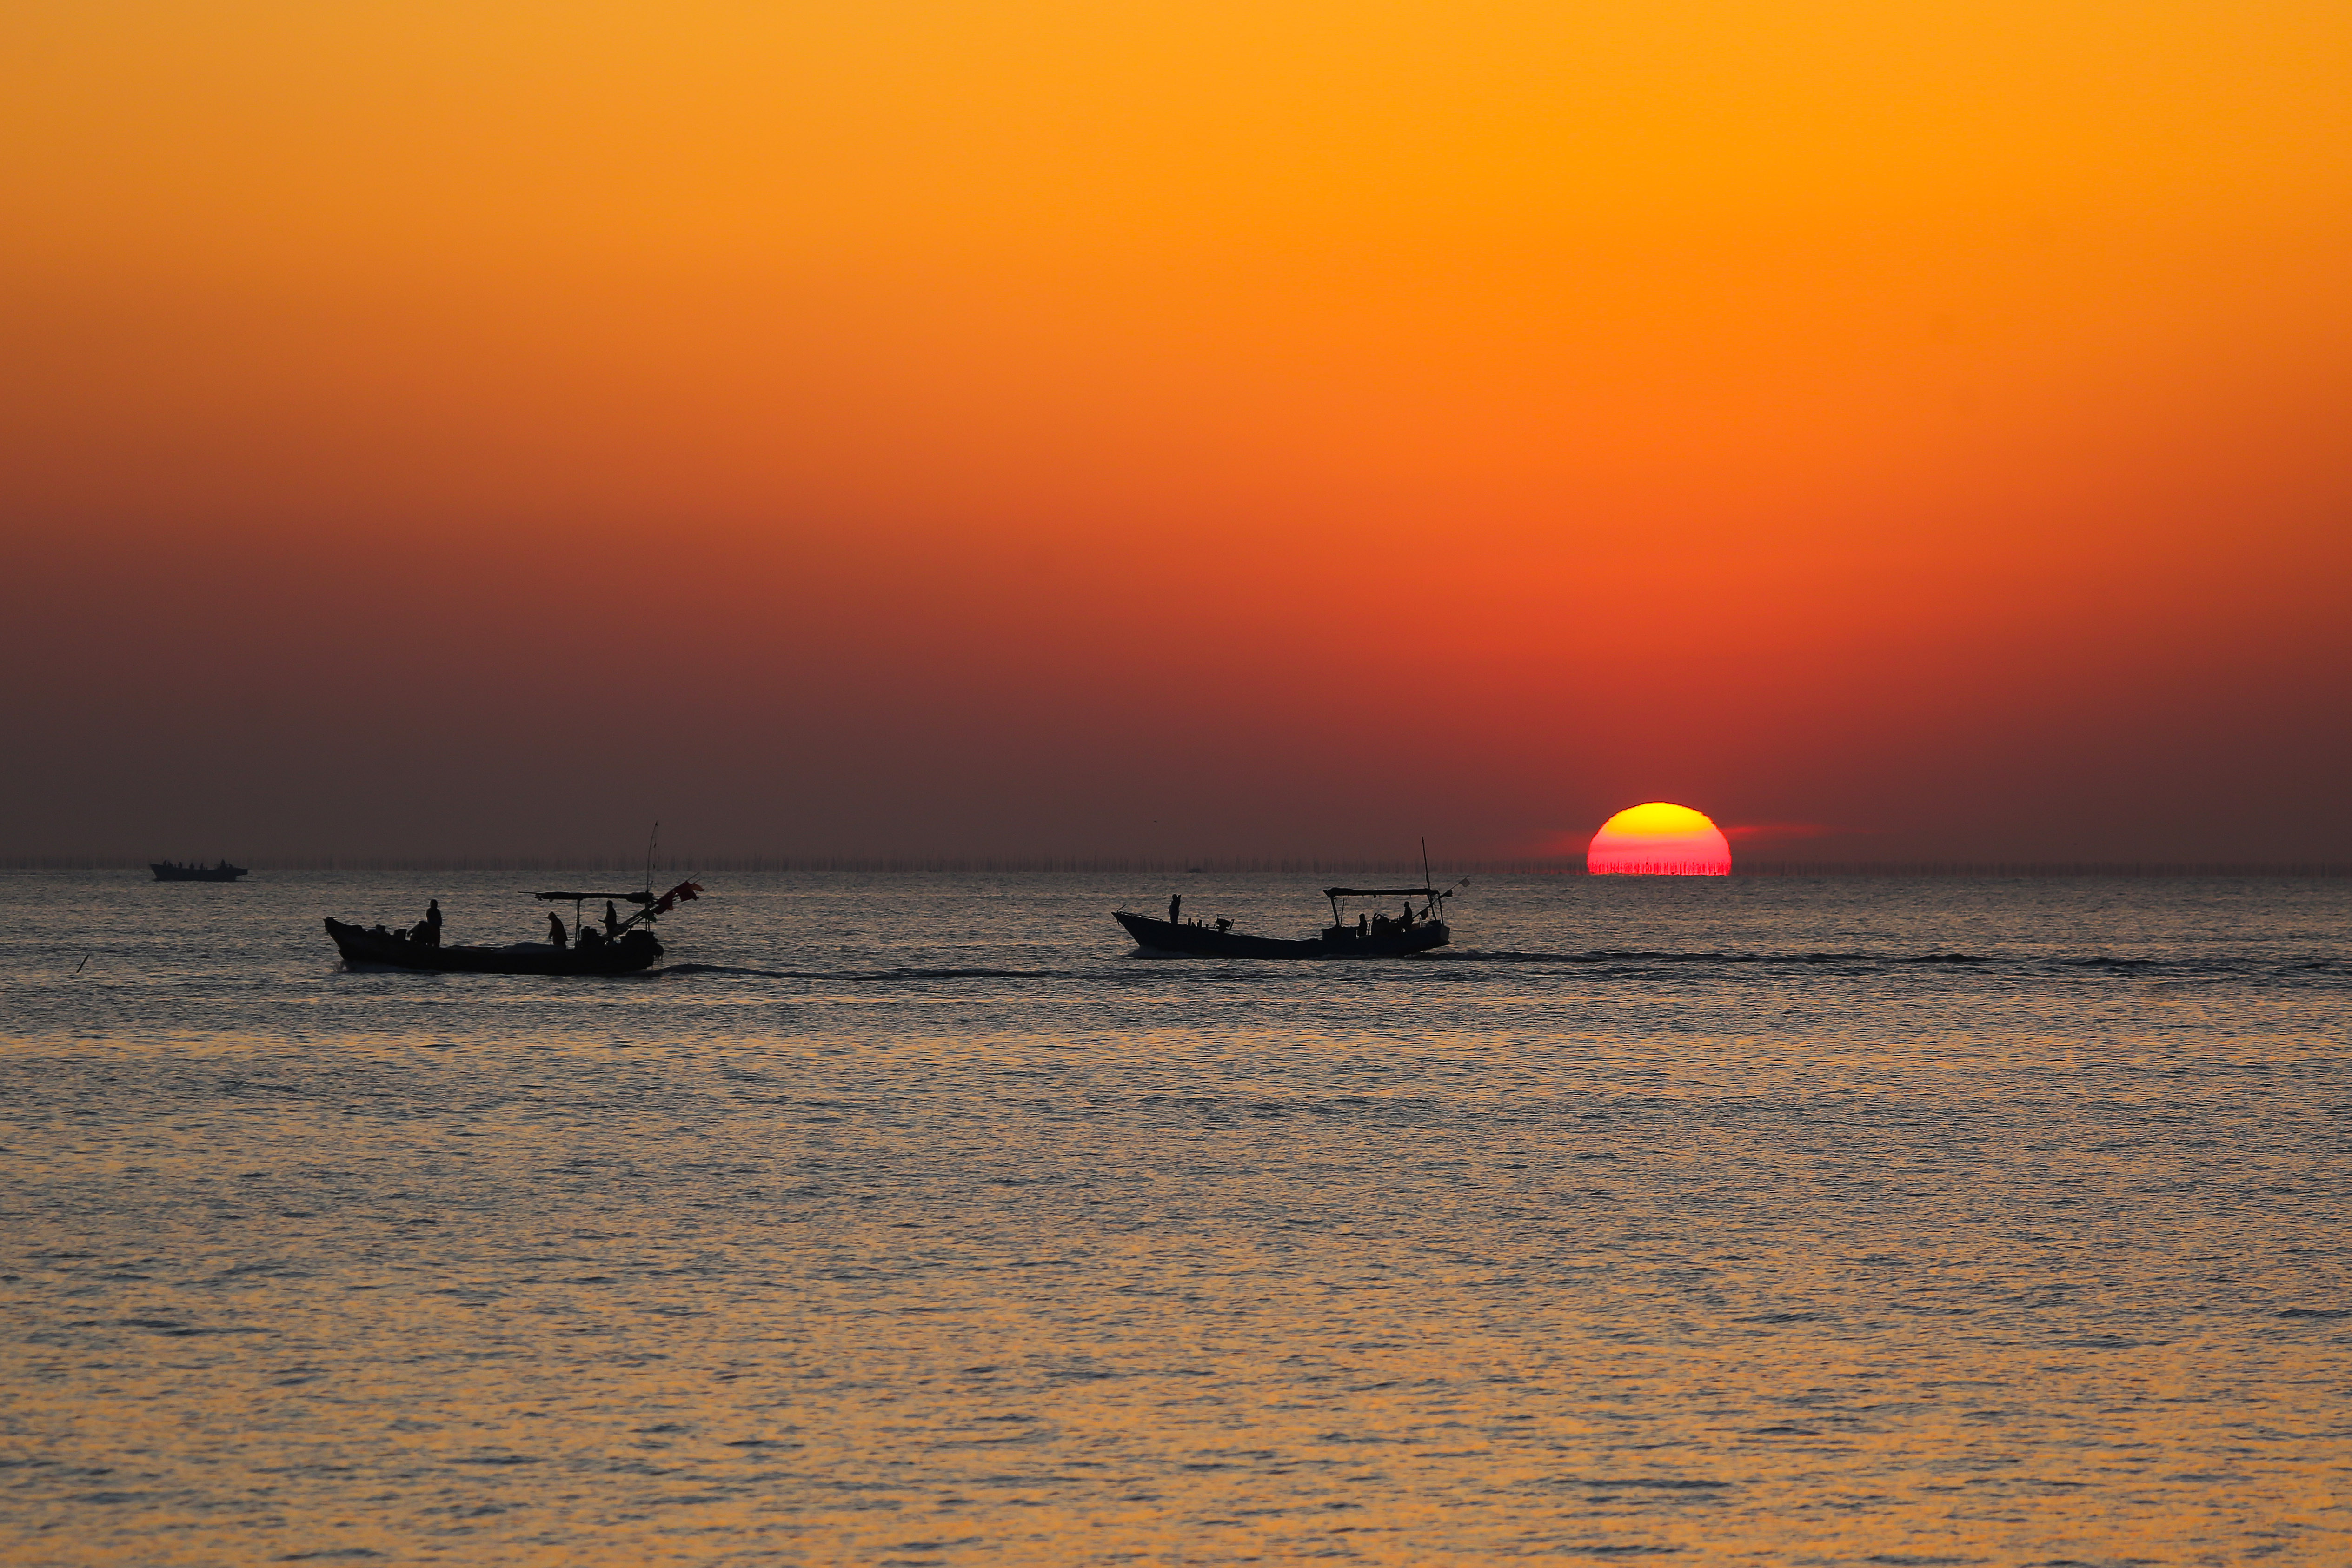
[1187, 429]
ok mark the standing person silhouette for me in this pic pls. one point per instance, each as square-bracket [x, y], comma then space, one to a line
[612, 922]
[1174, 903]
[433, 923]
[555, 930]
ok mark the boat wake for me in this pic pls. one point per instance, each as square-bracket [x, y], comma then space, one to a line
[681, 970]
[1629, 955]
[1462, 963]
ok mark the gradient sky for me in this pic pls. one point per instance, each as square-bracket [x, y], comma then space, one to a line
[1193, 429]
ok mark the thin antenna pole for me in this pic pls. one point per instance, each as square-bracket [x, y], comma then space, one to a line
[652, 840]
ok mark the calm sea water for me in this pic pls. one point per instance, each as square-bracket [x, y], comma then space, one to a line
[910, 1220]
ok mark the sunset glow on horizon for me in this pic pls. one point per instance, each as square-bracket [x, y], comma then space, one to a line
[1141, 407]
[1657, 839]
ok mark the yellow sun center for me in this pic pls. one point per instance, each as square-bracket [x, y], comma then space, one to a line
[1657, 816]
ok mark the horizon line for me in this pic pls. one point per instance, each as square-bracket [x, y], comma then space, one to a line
[1229, 865]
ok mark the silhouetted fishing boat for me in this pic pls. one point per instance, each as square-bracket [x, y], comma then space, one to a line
[628, 947]
[1368, 936]
[171, 871]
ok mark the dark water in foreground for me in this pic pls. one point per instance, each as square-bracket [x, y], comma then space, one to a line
[906, 1220]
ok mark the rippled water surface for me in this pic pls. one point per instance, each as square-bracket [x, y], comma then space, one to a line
[909, 1220]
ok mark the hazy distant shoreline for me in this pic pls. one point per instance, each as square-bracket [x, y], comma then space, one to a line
[983, 865]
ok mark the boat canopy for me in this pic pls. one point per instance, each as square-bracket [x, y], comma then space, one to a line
[1375, 892]
[651, 908]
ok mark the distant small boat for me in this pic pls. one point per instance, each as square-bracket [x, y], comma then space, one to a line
[171, 871]
[630, 948]
[1369, 936]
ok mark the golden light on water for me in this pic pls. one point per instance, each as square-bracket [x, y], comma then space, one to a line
[868, 1330]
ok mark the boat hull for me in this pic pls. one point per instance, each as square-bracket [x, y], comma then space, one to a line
[361, 947]
[1168, 938]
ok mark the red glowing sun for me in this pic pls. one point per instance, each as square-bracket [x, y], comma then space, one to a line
[1659, 840]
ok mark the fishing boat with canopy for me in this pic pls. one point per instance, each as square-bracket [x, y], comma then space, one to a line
[1369, 934]
[623, 945]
